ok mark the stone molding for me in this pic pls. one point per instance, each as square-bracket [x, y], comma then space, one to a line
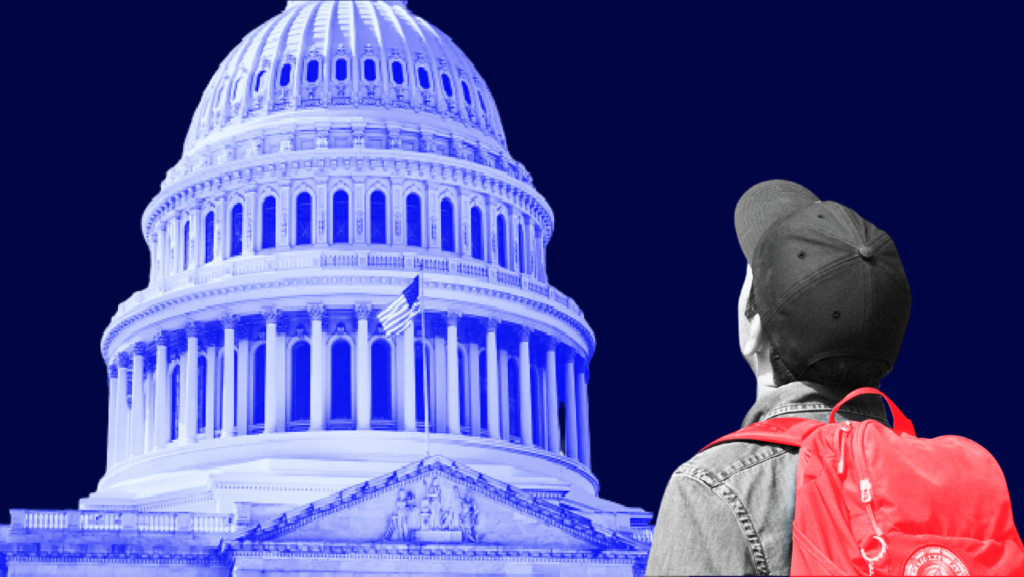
[542, 307]
[364, 311]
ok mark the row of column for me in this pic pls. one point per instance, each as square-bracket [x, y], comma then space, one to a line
[145, 424]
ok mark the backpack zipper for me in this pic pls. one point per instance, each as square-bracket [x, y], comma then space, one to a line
[860, 469]
[843, 429]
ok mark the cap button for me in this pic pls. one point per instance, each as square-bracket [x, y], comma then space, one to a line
[865, 251]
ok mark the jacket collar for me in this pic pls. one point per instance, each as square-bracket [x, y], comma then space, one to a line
[814, 401]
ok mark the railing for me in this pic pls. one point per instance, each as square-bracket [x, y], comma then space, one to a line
[46, 520]
[158, 522]
[358, 259]
[100, 521]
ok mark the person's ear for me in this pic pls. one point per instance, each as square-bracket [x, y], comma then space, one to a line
[755, 338]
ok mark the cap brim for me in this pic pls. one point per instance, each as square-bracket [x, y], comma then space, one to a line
[763, 204]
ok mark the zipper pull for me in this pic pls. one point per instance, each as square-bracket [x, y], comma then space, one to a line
[865, 491]
[843, 429]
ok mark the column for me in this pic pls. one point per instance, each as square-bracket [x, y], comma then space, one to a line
[503, 372]
[188, 410]
[227, 405]
[440, 373]
[111, 415]
[571, 423]
[271, 316]
[525, 401]
[280, 387]
[495, 425]
[138, 407]
[193, 233]
[452, 360]
[161, 405]
[317, 387]
[473, 381]
[211, 385]
[409, 378]
[248, 240]
[219, 221]
[149, 442]
[121, 443]
[161, 249]
[554, 440]
[584, 415]
[363, 312]
[242, 408]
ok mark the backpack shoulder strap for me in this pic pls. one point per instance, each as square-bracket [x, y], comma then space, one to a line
[784, 431]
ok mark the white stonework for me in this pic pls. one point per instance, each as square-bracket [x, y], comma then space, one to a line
[342, 149]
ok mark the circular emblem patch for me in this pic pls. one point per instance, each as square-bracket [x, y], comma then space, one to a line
[934, 560]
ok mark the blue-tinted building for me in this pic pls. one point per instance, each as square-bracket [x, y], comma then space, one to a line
[260, 421]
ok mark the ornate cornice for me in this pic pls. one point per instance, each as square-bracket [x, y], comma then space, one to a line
[139, 349]
[124, 360]
[193, 330]
[229, 321]
[451, 318]
[543, 307]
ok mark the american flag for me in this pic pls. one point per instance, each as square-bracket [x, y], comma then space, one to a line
[399, 314]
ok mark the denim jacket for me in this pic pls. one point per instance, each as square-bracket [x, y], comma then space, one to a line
[729, 510]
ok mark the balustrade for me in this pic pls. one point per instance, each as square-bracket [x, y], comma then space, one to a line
[158, 522]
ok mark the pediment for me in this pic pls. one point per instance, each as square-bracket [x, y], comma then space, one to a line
[437, 502]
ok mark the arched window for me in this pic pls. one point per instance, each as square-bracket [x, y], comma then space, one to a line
[369, 70]
[234, 89]
[201, 416]
[463, 393]
[175, 400]
[482, 363]
[235, 386]
[313, 71]
[378, 218]
[341, 69]
[380, 381]
[340, 210]
[236, 230]
[480, 98]
[269, 221]
[522, 251]
[476, 231]
[259, 384]
[259, 80]
[300, 381]
[220, 94]
[447, 225]
[286, 75]
[304, 219]
[341, 380]
[184, 248]
[420, 392]
[513, 398]
[412, 220]
[209, 238]
[397, 72]
[424, 78]
[466, 95]
[502, 259]
[446, 83]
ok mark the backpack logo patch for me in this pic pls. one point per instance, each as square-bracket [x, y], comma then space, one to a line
[933, 560]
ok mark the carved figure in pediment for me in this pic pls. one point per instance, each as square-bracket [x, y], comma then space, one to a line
[398, 525]
[467, 516]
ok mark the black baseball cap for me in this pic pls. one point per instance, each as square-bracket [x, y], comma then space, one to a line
[827, 282]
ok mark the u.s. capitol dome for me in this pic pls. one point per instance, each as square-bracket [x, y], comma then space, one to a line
[340, 151]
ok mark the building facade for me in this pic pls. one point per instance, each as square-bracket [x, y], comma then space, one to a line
[260, 423]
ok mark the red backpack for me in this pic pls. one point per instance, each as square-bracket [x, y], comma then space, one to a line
[870, 500]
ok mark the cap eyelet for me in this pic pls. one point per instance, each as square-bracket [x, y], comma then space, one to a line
[821, 216]
[801, 254]
[835, 314]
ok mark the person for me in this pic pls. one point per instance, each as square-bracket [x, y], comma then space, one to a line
[822, 311]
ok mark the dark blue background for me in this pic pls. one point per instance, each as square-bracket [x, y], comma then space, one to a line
[642, 124]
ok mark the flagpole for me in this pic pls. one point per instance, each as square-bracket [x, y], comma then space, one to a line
[426, 380]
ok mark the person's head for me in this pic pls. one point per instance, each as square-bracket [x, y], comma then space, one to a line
[825, 298]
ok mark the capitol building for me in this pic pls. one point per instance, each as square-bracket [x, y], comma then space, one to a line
[260, 420]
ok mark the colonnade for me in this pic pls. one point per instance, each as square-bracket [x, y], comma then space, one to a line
[148, 412]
